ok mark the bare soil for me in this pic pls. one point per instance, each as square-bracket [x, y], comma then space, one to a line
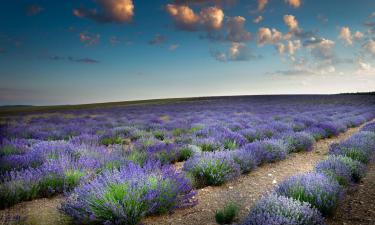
[245, 191]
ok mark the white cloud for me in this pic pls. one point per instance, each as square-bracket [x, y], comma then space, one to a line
[293, 46]
[370, 47]
[346, 36]
[365, 69]
[280, 47]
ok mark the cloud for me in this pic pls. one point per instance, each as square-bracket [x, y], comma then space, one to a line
[205, 2]
[85, 60]
[358, 35]
[346, 36]
[294, 3]
[236, 52]
[321, 48]
[291, 22]
[371, 27]
[236, 30]
[34, 10]
[212, 18]
[258, 19]
[293, 46]
[372, 14]
[364, 69]
[89, 39]
[158, 39]
[262, 4]
[268, 36]
[185, 18]
[369, 47]
[173, 47]
[2, 51]
[280, 47]
[112, 11]
[293, 72]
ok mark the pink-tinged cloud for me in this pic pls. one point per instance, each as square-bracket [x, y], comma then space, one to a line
[236, 52]
[111, 11]
[210, 18]
[89, 39]
[236, 31]
[267, 36]
[184, 16]
[262, 4]
[291, 22]
[358, 35]
[346, 36]
[294, 3]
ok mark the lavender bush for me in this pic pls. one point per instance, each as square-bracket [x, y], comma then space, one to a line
[126, 195]
[358, 147]
[341, 168]
[314, 188]
[212, 168]
[300, 141]
[280, 210]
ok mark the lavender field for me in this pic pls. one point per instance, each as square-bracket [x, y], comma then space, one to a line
[117, 164]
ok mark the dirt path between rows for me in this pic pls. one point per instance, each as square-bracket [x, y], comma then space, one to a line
[358, 207]
[245, 190]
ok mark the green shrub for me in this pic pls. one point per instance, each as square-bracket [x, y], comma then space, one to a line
[227, 215]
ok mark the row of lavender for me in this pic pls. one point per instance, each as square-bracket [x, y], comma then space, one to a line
[120, 157]
[305, 198]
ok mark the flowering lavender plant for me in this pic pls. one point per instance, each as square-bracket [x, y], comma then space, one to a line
[314, 188]
[342, 168]
[126, 195]
[212, 168]
[270, 150]
[280, 210]
[300, 141]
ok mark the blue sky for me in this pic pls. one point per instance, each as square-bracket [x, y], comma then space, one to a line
[66, 52]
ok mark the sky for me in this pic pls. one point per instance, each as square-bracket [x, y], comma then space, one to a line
[72, 52]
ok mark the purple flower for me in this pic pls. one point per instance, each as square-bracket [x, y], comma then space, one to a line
[212, 168]
[127, 195]
[314, 188]
[280, 210]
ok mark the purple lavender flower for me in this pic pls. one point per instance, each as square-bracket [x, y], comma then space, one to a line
[300, 141]
[128, 194]
[270, 150]
[280, 210]
[212, 168]
[314, 188]
[369, 127]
